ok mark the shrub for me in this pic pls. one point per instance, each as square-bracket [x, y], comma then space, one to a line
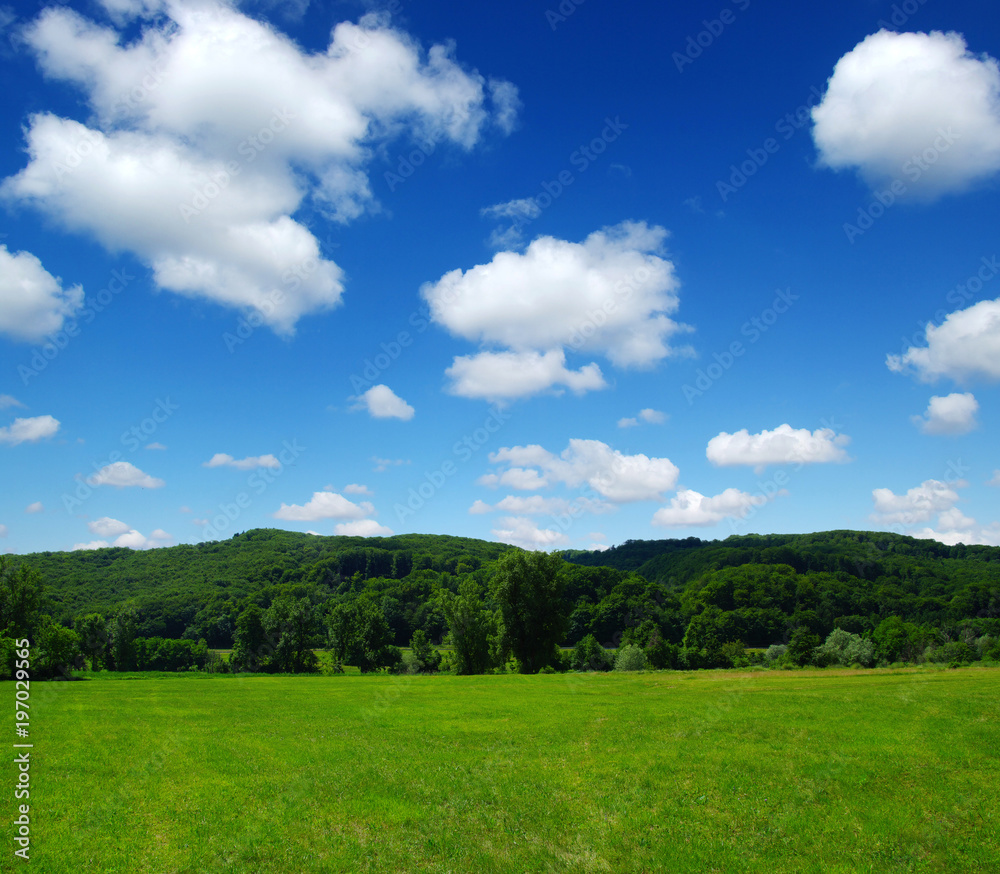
[844, 648]
[589, 655]
[630, 658]
[774, 653]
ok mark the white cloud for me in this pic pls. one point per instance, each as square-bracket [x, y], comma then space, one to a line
[93, 544]
[133, 539]
[611, 295]
[919, 504]
[648, 415]
[36, 507]
[3, 530]
[324, 505]
[964, 346]
[124, 474]
[537, 505]
[221, 459]
[895, 96]
[952, 414]
[156, 446]
[502, 376]
[355, 489]
[383, 464]
[9, 401]
[33, 302]
[996, 479]
[689, 508]
[783, 445]
[615, 477]
[107, 527]
[29, 430]
[383, 403]
[523, 532]
[236, 128]
[522, 208]
[480, 507]
[362, 528]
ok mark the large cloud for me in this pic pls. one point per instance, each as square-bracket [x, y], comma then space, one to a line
[951, 414]
[693, 509]
[611, 295]
[209, 131]
[33, 302]
[919, 504]
[783, 445]
[615, 477]
[324, 505]
[29, 430]
[964, 346]
[896, 96]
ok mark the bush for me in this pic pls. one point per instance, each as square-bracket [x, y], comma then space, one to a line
[630, 658]
[774, 654]
[844, 648]
[589, 655]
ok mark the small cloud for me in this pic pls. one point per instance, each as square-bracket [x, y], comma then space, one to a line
[383, 464]
[156, 446]
[648, 415]
[694, 204]
[324, 505]
[952, 414]
[94, 544]
[107, 527]
[185, 510]
[36, 507]
[383, 403]
[29, 430]
[9, 401]
[221, 459]
[362, 528]
[479, 508]
[995, 482]
[628, 423]
[622, 170]
[124, 474]
[3, 530]
[355, 489]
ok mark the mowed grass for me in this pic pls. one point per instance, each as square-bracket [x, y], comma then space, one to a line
[679, 772]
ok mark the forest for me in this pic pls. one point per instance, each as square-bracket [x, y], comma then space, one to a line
[271, 599]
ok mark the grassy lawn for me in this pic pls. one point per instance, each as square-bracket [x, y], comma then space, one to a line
[841, 771]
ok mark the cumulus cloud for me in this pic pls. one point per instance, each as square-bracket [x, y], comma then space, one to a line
[783, 445]
[133, 539]
[29, 430]
[919, 504]
[93, 544]
[237, 128]
[124, 474]
[503, 376]
[611, 295]
[107, 527]
[952, 414]
[615, 477]
[33, 302]
[914, 106]
[648, 415]
[251, 462]
[383, 403]
[324, 505]
[538, 505]
[36, 507]
[964, 346]
[689, 508]
[523, 532]
[362, 528]
[355, 489]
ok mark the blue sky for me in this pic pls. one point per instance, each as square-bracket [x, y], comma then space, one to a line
[555, 274]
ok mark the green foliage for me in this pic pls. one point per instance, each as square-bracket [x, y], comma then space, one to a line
[250, 649]
[425, 659]
[843, 648]
[802, 645]
[528, 588]
[775, 654]
[92, 631]
[630, 658]
[589, 655]
[360, 636]
[57, 652]
[290, 626]
[472, 628]
[22, 600]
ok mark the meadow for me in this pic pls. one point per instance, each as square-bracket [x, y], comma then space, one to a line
[812, 770]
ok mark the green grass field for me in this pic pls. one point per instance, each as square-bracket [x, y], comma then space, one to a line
[844, 771]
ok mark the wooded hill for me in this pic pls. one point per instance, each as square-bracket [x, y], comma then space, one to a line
[756, 589]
